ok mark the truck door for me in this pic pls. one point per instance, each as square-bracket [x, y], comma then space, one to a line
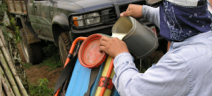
[40, 19]
[33, 16]
[45, 17]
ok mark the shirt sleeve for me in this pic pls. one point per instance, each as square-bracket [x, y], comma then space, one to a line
[151, 14]
[168, 77]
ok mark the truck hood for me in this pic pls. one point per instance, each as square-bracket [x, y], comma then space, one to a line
[89, 5]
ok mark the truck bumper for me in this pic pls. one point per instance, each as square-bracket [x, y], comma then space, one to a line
[85, 33]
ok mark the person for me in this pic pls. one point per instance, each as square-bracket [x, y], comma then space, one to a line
[210, 2]
[209, 6]
[185, 70]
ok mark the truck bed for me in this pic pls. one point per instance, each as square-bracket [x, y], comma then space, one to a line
[17, 6]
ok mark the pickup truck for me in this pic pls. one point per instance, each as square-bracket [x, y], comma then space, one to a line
[61, 21]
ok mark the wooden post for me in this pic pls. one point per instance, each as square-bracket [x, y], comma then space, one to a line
[1, 92]
[11, 66]
[8, 93]
[4, 79]
[3, 40]
[9, 74]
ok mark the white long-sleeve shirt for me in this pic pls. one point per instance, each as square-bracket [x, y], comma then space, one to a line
[185, 70]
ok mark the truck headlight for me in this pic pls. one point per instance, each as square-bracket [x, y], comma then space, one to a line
[78, 20]
[87, 19]
[92, 18]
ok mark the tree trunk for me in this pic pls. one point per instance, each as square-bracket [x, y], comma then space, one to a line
[8, 93]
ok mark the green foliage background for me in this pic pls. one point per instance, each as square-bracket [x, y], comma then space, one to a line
[3, 8]
[41, 89]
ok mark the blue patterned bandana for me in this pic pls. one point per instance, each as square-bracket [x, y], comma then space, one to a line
[180, 22]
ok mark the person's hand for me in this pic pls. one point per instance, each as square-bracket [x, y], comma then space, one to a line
[112, 46]
[133, 10]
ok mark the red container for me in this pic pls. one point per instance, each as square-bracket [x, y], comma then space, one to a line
[89, 55]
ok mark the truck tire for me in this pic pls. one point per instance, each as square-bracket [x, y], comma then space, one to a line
[31, 52]
[64, 43]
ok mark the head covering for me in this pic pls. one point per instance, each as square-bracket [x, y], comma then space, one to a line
[181, 19]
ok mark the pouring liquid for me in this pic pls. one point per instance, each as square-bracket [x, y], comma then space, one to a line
[119, 35]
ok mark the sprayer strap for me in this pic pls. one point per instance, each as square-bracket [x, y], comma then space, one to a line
[94, 73]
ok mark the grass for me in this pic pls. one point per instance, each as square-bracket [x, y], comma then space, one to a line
[27, 65]
[41, 89]
[51, 56]
[53, 62]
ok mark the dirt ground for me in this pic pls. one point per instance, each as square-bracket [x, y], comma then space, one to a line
[36, 72]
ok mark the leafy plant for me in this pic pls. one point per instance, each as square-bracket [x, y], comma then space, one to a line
[3, 8]
[49, 50]
[52, 62]
[12, 33]
[16, 29]
[51, 56]
[41, 89]
[12, 37]
[27, 65]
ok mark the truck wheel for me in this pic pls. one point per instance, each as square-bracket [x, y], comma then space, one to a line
[31, 52]
[64, 43]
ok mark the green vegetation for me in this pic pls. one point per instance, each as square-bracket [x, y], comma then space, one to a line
[10, 30]
[41, 89]
[51, 56]
[16, 32]
[3, 8]
[49, 50]
[52, 62]
[26, 65]
[12, 37]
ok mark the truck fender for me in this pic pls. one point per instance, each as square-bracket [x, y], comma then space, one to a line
[59, 24]
[29, 33]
